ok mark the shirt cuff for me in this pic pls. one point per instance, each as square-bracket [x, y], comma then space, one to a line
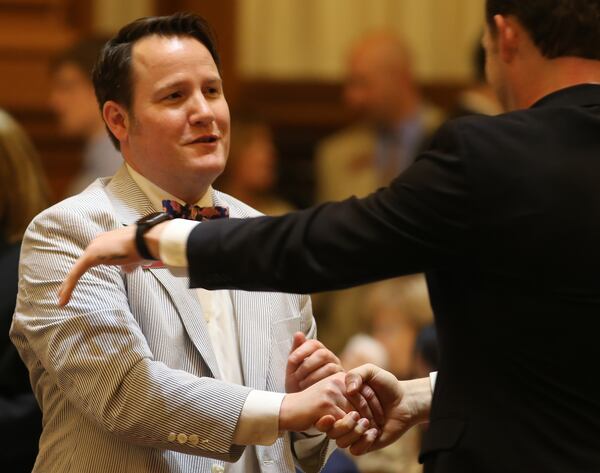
[259, 422]
[172, 247]
[432, 379]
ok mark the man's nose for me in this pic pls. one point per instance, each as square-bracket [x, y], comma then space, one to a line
[201, 111]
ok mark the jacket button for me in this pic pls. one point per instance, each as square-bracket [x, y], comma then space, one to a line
[182, 438]
[172, 436]
[217, 469]
[193, 439]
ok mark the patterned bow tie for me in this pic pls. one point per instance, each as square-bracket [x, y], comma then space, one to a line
[193, 212]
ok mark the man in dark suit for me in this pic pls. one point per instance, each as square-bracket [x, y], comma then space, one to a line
[504, 215]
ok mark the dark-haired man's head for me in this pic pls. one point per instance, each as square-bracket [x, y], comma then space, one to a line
[72, 95]
[535, 47]
[559, 28]
[113, 74]
[160, 90]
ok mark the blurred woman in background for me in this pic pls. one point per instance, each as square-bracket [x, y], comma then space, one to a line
[251, 171]
[23, 194]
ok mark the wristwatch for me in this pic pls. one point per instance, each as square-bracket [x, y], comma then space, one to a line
[143, 225]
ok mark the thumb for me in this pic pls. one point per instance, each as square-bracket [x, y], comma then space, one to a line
[325, 423]
[358, 376]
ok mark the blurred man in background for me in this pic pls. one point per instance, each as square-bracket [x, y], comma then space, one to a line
[392, 124]
[73, 100]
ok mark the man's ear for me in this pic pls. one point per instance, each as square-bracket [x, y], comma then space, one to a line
[117, 119]
[508, 37]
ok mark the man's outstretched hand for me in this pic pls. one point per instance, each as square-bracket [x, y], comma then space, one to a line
[115, 248]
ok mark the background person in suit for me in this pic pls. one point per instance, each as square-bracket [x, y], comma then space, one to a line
[73, 101]
[392, 124]
[504, 215]
[141, 374]
[23, 194]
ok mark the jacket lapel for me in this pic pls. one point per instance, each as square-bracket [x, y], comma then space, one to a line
[130, 204]
[190, 312]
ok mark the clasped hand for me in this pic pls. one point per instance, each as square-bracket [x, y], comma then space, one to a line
[364, 409]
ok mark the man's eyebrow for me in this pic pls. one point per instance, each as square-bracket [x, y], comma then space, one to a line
[179, 82]
[214, 81]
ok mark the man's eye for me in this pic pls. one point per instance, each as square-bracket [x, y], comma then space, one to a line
[174, 96]
[213, 91]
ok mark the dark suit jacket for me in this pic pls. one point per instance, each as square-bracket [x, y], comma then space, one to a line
[20, 416]
[503, 213]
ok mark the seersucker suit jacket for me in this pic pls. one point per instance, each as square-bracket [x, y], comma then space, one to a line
[124, 373]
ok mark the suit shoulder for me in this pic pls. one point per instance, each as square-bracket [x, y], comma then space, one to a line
[89, 209]
[483, 130]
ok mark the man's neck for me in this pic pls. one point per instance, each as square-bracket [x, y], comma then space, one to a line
[156, 192]
[553, 75]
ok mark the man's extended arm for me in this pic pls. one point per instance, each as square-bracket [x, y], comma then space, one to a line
[421, 221]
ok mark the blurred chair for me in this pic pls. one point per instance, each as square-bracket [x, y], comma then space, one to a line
[74, 102]
[23, 194]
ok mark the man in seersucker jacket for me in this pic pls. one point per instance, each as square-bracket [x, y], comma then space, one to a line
[140, 373]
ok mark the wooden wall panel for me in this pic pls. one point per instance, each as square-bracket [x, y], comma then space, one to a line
[31, 33]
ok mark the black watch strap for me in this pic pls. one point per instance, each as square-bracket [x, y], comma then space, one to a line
[143, 225]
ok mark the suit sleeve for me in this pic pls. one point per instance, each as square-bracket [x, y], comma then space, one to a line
[95, 353]
[420, 222]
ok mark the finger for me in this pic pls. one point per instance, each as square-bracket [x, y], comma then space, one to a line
[345, 425]
[374, 404]
[361, 405]
[358, 376]
[318, 375]
[299, 354]
[298, 339]
[354, 435]
[83, 263]
[129, 268]
[325, 423]
[316, 360]
[365, 443]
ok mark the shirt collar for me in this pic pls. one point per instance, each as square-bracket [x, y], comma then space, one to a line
[156, 195]
[574, 96]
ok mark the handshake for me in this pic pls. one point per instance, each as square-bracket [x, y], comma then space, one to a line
[365, 409]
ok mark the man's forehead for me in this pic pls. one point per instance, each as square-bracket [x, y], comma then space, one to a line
[170, 52]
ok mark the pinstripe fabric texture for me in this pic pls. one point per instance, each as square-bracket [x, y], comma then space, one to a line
[124, 373]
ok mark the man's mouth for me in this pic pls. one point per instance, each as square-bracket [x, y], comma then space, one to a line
[205, 139]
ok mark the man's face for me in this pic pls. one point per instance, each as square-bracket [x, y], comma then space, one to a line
[370, 91]
[72, 99]
[178, 130]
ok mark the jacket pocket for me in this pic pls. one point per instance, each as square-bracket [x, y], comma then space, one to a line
[283, 330]
[442, 434]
